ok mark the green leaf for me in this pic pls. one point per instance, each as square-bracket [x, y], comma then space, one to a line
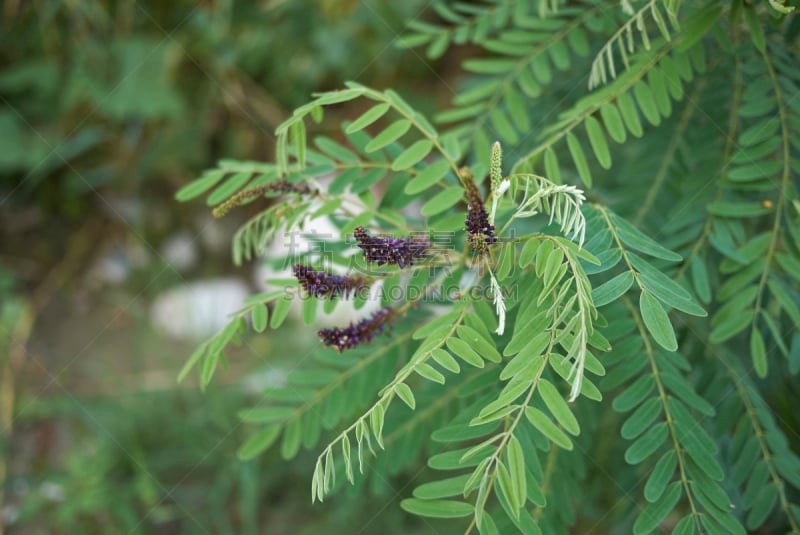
[762, 506]
[506, 262]
[478, 342]
[412, 155]
[789, 263]
[629, 114]
[558, 407]
[489, 65]
[376, 420]
[685, 526]
[597, 140]
[192, 361]
[613, 123]
[732, 326]
[655, 513]
[209, 367]
[487, 526]
[647, 103]
[292, 437]
[737, 209]
[516, 469]
[309, 311]
[786, 302]
[647, 444]
[265, 415]
[528, 355]
[429, 372]
[335, 150]
[507, 488]
[368, 117]
[546, 248]
[434, 324]
[551, 168]
[391, 134]
[634, 394]
[427, 177]
[199, 186]
[404, 392]
[641, 419]
[660, 476]
[700, 278]
[759, 353]
[343, 180]
[657, 83]
[337, 97]
[327, 208]
[684, 391]
[635, 239]
[438, 46]
[665, 289]
[657, 321]
[528, 252]
[436, 508]
[698, 27]
[579, 158]
[754, 25]
[348, 464]
[612, 290]
[228, 188]
[447, 223]
[455, 115]
[364, 182]
[517, 110]
[297, 132]
[280, 312]
[503, 126]
[259, 442]
[442, 201]
[541, 422]
[444, 488]
[461, 432]
[492, 416]
[462, 349]
[757, 171]
[445, 360]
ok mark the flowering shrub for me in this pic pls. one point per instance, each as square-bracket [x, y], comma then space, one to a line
[655, 300]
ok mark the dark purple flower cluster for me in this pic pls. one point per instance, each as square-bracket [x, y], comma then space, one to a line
[400, 251]
[358, 333]
[481, 233]
[324, 284]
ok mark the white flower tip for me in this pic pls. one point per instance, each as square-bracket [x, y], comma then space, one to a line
[503, 187]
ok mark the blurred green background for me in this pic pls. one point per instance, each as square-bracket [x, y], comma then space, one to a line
[106, 109]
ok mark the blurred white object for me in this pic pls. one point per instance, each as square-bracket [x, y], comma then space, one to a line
[180, 251]
[116, 263]
[198, 309]
[267, 377]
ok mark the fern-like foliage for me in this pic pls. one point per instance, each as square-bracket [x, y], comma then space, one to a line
[615, 312]
[623, 40]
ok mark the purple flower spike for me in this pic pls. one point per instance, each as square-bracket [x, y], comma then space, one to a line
[481, 233]
[324, 284]
[358, 333]
[400, 251]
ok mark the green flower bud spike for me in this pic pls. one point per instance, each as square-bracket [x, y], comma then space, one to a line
[499, 185]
